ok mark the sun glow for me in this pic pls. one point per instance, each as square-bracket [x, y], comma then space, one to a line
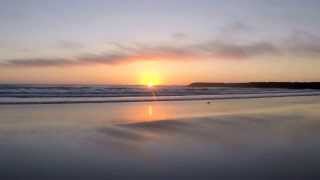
[150, 85]
[150, 78]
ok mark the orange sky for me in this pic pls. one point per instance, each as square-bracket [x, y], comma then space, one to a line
[166, 72]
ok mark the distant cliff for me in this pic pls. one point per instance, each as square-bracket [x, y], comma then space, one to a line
[287, 85]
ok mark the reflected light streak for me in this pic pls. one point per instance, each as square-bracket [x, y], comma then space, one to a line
[150, 110]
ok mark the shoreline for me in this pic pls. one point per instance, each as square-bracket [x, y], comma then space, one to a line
[287, 85]
[161, 98]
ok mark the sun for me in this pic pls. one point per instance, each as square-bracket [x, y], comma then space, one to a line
[150, 85]
[150, 78]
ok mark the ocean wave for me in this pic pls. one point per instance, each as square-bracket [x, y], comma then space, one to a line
[75, 100]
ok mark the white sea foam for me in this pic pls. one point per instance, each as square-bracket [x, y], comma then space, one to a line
[48, 94]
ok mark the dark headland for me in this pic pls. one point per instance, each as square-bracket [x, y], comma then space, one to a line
[287, 85]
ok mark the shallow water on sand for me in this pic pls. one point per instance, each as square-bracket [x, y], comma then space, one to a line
[264, 138]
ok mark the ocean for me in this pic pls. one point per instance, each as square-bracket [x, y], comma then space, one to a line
[47, 94]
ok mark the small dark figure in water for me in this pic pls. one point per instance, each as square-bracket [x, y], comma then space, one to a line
[208, 102]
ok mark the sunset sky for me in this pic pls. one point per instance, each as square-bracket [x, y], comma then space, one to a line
[162, 42]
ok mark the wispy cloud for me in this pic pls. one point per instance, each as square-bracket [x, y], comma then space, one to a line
[206, 50]
[301, 44]
[69, 45]
[38, 62]
[180, 36]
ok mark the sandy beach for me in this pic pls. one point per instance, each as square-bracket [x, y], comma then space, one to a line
[159, 90]
[265, 138]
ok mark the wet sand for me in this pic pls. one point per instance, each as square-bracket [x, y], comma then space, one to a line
[265, 138]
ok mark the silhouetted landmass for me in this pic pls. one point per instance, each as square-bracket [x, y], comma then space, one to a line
[287, 85]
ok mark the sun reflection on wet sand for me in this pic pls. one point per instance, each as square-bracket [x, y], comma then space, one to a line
[236, 138]
[150, 110]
